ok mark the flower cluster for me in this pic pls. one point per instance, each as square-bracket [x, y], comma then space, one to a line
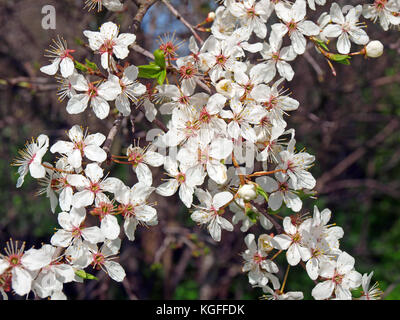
[226, 112]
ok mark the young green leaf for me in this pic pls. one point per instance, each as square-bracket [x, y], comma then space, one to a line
[80, 66]
[149, 71]
[162, 76]
[159, 58]
[341, 58]
[252, 215]
[91, 65]
[84, 275]
[322, 44]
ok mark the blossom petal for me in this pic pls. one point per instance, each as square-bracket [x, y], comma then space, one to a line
[93, 235]
[110, 227]
[115, 271]
[323, 290]
[21, 281]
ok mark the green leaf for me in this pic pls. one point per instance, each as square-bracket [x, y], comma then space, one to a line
[345, 62]
[84, 275]
[252, 215]
[162, 76]
[91, 65]
[80, 66]
[149, 71]
[262, 193]
[340, 58]
[159, 58]
[322, 44]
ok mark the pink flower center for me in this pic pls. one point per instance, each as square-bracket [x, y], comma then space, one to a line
[292, 26]
[107, 47]
[169, 49]
[251, 12]
[337, 278]
[103, 209]
[283, 186]
[296, 238]
[67, 54]
[248, 87]
[184, 100]
[291, 166]
[203, 156]
[92, 92]
[127, 210]
[98, 260]
[94, 187]
[258, 258]
[79, 145]
[271, 103]
[221, 59]
[265, 122]
[181, 177]
[205, 117]
[14, 260]
[275, 56]
[76, 232]
[135, 158]
[380, 4]
[216, 212]
[187, 71]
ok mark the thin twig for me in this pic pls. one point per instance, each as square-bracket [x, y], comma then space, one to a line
[314, 64]
[263, 210]
[128, 289]
[156, 121]
[142, 51]
[111, 135]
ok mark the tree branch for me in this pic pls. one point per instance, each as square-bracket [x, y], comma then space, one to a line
[263, 210]
[144, 6]
[156, 121]
[111, 135]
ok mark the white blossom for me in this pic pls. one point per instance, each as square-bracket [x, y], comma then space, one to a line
[294, 24]
[81, 145]
[107, 42]
[345, 28]
[30, 159]
[340, 279]
[97, 96]
[210, 212]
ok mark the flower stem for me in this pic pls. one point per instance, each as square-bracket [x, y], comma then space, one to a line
[285, 279]
[264, 173]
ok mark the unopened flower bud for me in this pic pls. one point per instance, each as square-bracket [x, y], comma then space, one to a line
[374, 49]
[247, 192]
[225, 88]
[211, 16]
[265, 242]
